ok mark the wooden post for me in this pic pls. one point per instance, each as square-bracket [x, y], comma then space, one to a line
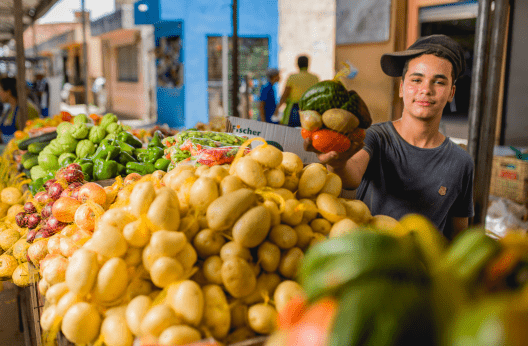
[22, 113]
[234, 96]
[85, 58]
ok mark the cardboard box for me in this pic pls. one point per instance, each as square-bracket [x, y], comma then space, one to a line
[509, 178]
[289, 138]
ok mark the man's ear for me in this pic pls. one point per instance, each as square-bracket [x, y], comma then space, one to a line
[452, 94]
[401, 88]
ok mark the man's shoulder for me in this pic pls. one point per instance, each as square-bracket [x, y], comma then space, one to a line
[460, 154]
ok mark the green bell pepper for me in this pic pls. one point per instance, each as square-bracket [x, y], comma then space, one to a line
[129, 138]
[125, 158]
[121, 169]
[153, 154]
[105, 149]
[140, 168]
[125, 147]
[66, 158]
[104, 168]
[162, 164]
[156, 140]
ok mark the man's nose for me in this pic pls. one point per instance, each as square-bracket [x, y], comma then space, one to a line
[427, 88]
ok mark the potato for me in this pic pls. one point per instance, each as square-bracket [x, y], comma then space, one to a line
[157, 319]
[274, 212]
[283, 236]
[290, 262]
[117, 217]
[340, 120]
[179, 335]
[187, 257]
[142, 196]
[112, 280]
[269, 256]
[212, 270]
[47, 319]
[322, 226]
[384, 223]
[187, 300]
[81, 272]
[304, 235]
[330, 207]
[342, 227]
[318, 237]
[184, 194]
[250, 172]
[133, 256]
[266, 285]
[164, 212]
[202, 222]
[166, 270]
[189, 226]
[55, 292]
[217, 173]
[238, 315]
[203, 192]
[358, 211]
[234, 249]
[333, 185]
[200, 170]
[137, 233]
[252, 227]
[311, 181]
[274, 177]
[241, 334]
[167, 243]
[138, 287]
[291, 182]
[291, 163]
[148, 257]
[285, 291]
[176, 180]
[81, 323]
[208, 243]
[109, 242]
[135, 311]
[225, 210]
[267, 155]
[310, 210]
[115, 331]
[284, 193]
[230, 183]
[217, 317]
[293, 212]
[238, 277]
[310, 120]
[262, 318]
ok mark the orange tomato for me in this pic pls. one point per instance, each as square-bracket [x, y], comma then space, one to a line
[292, 312]
[306, 134]
[66, 116]
[327, 140]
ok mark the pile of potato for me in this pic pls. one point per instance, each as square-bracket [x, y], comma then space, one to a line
[199, 252]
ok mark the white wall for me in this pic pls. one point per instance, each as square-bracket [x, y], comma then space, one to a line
[307, 27]
[55, 86]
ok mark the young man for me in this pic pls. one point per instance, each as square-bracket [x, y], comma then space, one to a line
[267, 100]
[408, 166]
[296, 85]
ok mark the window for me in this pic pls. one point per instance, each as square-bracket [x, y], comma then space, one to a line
[127, 63]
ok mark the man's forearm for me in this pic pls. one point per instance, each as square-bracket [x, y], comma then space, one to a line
[262, 112]
[349, 175]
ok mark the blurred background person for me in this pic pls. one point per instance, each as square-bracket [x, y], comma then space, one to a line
[267, 100]
[41, 89]
[8, 119]
[296, 85]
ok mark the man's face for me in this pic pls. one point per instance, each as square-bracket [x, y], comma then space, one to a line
[427, 87]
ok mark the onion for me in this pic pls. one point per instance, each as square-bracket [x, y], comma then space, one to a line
[86, 214]
[67, 246]
[33, 221]
[54, 271]
[21, 220]
[49, 183]
[42, 198]
[30, 208]
[37, 251]
[92, 191]
[64, 209]
[55, 191]
[54, 244]
[47, 210]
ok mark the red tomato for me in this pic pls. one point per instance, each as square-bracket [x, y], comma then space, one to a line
[66, 116]
[292, 312]
[306, 134]
[328, 140]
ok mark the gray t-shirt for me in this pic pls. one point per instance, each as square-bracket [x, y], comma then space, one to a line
[401, 178]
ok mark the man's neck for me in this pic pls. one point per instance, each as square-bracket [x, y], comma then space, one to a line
[422, 134]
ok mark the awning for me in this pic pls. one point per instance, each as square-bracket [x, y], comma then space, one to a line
[32, 10]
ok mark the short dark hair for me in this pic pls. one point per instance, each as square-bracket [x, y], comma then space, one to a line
[9, 84]
[302, 61]
[435, 52]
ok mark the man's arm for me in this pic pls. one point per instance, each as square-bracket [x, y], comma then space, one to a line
[458, 225]
[283, 98]
[262, 111]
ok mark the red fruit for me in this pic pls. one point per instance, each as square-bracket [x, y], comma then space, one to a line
[306, 134]
[30, 208]
[21, 219]
[55, 191]
[131, 178]
[30, 237]
[47, 210]
[42, 198]
[327, 140]
[33, 221]
[66, 116]
[74, 166]
[55, 225]
[73, 175]
[75, 185]
[49, 183]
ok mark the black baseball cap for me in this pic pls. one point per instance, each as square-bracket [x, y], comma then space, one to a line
[392, 63]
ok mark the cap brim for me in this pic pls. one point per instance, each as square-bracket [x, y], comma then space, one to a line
[392, 63]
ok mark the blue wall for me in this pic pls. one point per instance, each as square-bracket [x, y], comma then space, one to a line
[202, 18]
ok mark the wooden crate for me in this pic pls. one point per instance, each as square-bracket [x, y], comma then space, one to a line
[509, 178]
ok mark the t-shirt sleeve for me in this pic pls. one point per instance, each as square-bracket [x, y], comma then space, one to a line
[289, 81]
[263, 94]
[372, 141]
[463, 206]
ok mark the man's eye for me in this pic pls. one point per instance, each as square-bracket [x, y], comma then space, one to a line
[440, 82]
[415, 80]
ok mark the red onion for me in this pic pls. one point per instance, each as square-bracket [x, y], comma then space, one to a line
[49, 183]
[55, 191]
[74, 166]
[21, 219]
[55, 225]
[33, 220]
[30, 237]
[46, 211]
[30, 208]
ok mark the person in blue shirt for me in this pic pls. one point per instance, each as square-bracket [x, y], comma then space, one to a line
[268, 101]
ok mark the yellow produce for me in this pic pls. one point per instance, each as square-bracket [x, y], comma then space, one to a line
[252, 227]
[164, 211]
[179, 335]
[238, 277]
[187, 300]
[135, 311]
[267, 155]
[342, 227]
[217, 317]
[11, 195]
[8, 238]
[157, 319]
[262, 318]
[167, 243]
[55, 292]
[115, 331]
[285, 291]
[112, 280]
[21, 276]
[166, 270]
[82, 271]
[81, 323]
